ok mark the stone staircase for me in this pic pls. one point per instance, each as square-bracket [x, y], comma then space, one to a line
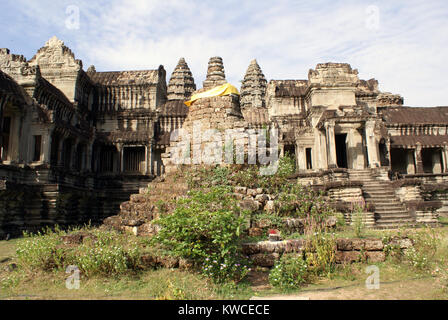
[137, 213]
[389, 211]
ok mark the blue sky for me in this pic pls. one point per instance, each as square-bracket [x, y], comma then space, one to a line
[403, 44]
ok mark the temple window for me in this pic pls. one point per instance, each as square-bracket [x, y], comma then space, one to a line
[134, 159]
[6, 131]
[37, 147]
[309, 162]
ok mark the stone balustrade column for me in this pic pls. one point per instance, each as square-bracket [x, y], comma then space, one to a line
[120, 149]
[372, 146]
[60, 151]
[331, 145]
[89, 155]
[445, 158]
[418, 159]
[46, 143]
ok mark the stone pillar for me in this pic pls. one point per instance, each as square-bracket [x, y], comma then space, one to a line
[372, 146]
[418, 159]
[436, 164]
[3, 101]
[410, 162]
[152, 169]
[74, 154]
[445, 158]
[46, 146]
[331, 145]
[61, 151]
[89, 152]
[301, 158]
[121, 156]
[147, 158]
[282, 150]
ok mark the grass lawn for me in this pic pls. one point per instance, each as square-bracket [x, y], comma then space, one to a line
[398, 280]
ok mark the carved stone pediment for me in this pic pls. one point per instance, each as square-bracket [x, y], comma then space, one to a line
[333, 74]
[55, 55]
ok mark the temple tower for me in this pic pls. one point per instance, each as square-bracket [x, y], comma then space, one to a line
[215, 73]
[181, 84]
[253, 88]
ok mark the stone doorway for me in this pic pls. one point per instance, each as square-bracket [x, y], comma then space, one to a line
[6, 131]
[341, 150]
[402, 160]
[432, 160]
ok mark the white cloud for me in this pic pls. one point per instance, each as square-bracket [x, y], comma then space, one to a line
[406, 53]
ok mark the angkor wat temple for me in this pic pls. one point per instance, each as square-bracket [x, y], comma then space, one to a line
[75, 143]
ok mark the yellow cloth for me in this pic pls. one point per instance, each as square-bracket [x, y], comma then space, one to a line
[222, 90]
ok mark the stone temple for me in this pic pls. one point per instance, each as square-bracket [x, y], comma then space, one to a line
[75, 144]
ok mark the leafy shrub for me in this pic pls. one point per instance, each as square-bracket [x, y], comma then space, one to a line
[96, 260]
[421, 255]
[286, 165]
[221, 269]
[109, 254]
[320, 254]
[41, 251]
[290, 272]
[358, 223]
[207, 225]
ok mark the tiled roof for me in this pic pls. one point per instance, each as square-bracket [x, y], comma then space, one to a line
[9, 86]
[424, 140]
[175, 108]
[48, 87]
[116, 78]
[125, 136]
[290, 88]
[410, 115]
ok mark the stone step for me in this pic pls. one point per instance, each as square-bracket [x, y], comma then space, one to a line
[376, 185]
[390, 211]
[404, 215]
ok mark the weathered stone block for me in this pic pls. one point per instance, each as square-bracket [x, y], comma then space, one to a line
[241, 190]
[402, 243]
[376, 256]
[249, 205]
[251, 192]
[344, 244]
[270, 206]
[261, 197]
[250, 248]
[347, 256]
[256, 232]
[264, 259]
[358, 244]
[373, 245]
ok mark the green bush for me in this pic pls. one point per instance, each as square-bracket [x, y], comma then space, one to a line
[320, 253]
[290, 272]
[206, 227]
[41, 251]
[109, 253]
[421, 255]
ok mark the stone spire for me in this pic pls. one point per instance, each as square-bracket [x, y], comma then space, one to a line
[215, 73]
[253, 87]
[181, 84]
